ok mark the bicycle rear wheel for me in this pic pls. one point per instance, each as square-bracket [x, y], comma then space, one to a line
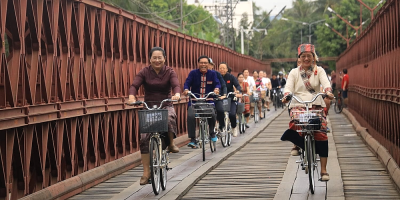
[276, 102]
[339, 105]
[163, 171]
[155, 159]
[311, 164]
[242, 124]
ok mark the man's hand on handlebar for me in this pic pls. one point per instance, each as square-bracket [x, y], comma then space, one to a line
[222, 97]
[216, 90]
[176, 97]
[330, 95]
[185, 92]
[132, 99]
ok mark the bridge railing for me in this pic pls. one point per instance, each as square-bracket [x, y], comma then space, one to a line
[66, 67]
[373, 62]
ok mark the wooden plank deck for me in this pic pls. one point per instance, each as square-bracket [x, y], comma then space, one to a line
[364, 176]
[254, 172]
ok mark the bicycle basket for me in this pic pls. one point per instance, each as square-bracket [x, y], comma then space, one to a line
[256, 96]
[307, 121]
[203, 110]
[223, 105]
[240, 108]
[152, 121]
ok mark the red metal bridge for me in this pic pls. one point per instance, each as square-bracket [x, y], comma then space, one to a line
[66, 67]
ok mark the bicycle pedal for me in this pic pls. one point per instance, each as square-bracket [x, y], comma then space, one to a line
[169, 168]
[298, 161]
[318, 159]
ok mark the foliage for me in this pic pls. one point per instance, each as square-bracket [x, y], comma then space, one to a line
[285, 36]
[197, 21]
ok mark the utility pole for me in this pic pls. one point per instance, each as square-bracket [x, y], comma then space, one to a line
[181, 25]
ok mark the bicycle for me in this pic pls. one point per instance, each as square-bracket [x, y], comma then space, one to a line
[242, 119]
[226, 133]
[155, 121]
[308, 121]
[256, 99]
[275, 98]
[202, 111]
[339, 103]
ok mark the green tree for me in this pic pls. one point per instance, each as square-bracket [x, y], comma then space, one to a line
[197, 21]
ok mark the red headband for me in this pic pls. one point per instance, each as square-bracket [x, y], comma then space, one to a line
[306, 47]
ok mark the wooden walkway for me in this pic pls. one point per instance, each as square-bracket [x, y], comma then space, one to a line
[259, 166]
[254, 172]
[364, 176]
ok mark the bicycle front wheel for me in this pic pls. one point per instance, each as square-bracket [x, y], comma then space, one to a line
[311, 164]
[163, 171]
[155, 161]
[203, 140]
[256, 113]
[224, 133]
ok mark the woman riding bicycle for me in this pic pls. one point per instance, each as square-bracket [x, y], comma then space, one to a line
[158, 81]
[230, 81]
[258, 83]
[304, 82]
[246, 99]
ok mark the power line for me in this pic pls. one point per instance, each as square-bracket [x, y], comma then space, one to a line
[199, 21]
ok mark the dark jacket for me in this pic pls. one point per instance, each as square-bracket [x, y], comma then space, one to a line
[231, 81]
[222, 82]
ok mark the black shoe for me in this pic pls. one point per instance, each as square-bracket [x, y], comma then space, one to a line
[247, 126]
[268, 109]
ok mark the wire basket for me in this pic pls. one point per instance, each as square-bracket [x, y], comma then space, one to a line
[203, 110]
[153, 121]
[307, 120]
[256, 96]
[223, 105]
[240, 108]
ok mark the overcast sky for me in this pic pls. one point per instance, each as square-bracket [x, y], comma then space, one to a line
[267, 5]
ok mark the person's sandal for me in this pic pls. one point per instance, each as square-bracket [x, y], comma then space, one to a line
[295, 151]
[324, 177]
[144, 180]
[173, 149]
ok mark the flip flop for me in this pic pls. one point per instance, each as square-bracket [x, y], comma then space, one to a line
[324, 177]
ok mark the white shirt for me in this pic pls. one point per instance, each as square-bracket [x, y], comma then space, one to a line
[265, 81]
[251, 82]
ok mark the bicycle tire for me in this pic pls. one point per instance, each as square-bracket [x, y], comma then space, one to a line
[256, 114]
[163, 171]
[311, 168]
[338, 105]
[224, 133]
[155, 165]
[229, 135]
[276, 102]
[203, 140]
[243, 126]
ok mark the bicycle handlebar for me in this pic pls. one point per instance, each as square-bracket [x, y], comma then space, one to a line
[147, 107]
[201, 99]
[301, 101]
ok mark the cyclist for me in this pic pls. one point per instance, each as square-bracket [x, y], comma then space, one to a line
[246, 99]
[276, 84]
[158, 80]
[259, 83]
[201, 81]
[230, 81]
[281, 79]
[267, 84]
[221, 80]
[303, 82]
[252, 86]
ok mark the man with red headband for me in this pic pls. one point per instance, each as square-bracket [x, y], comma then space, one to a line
[304, 82]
